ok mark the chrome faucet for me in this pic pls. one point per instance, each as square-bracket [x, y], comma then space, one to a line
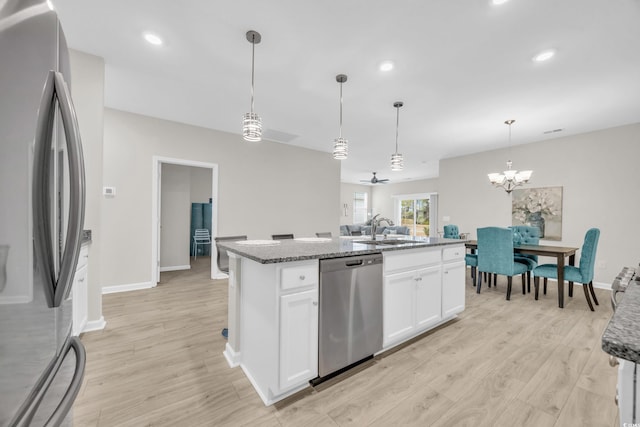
[374, 225]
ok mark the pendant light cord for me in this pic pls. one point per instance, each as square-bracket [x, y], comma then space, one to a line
[397, 126]
[253, 55]
[340, 110]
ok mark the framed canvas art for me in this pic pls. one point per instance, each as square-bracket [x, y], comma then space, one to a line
[539, 207]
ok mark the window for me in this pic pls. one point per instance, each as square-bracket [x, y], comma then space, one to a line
[416, 212]
[359, 208]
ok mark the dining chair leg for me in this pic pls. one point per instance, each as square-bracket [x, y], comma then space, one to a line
[478, 281]
[529, 281]
[586, 294]
[488, 279]
[536, 285]
[509, 283]
[523, 284]
[545, 285]
[593, 294]
[571, 289]
[473, 274]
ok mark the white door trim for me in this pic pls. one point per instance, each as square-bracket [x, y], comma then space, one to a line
[155, 205]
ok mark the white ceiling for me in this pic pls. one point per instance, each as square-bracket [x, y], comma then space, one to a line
[461, 67]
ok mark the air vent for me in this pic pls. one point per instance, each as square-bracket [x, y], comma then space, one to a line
[277, 136]
[552, 131]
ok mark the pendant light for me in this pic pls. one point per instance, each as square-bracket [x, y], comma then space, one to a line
[397, 161]
[510, 178]
[252, 123]
[340, 149]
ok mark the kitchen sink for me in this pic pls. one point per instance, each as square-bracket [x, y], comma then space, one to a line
[385, 242]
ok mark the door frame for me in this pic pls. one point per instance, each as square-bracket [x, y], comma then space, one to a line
[156, 203]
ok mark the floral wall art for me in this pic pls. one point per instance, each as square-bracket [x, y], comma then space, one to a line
[539, 207]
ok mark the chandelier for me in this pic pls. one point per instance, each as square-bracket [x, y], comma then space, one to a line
[510, 178]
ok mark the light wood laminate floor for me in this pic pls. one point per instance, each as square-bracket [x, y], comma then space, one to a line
[522, 362]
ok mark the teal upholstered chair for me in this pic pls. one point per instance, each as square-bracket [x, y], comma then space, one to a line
[451, 232]
[472, 261]
[526, 235]
[581, 274]
[495, 256]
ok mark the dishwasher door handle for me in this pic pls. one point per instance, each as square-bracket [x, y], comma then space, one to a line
[353, 263]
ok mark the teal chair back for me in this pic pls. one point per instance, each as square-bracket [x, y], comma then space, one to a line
[451, 232]
[588, 255]
[495, 250]
[527, 236]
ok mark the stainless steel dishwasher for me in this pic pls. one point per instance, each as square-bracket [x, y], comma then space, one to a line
[350, 311]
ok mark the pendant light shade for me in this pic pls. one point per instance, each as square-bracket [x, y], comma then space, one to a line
[251, 122]
[340, 144]
[397, 161]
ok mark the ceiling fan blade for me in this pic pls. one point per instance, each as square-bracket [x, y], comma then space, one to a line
[383, 180]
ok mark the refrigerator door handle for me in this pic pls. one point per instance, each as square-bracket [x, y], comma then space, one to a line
[77, 190]
[62, 409]
[70, 396]
[57, 288]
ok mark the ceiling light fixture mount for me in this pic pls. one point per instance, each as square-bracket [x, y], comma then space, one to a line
[340, 148]
[397, 161]
[510, 178]
[544, 55]
[251, 121]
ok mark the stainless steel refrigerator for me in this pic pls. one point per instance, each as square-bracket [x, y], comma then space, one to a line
[41, 219]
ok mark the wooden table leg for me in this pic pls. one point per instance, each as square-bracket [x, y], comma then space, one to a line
[561, 281]
[572, 260]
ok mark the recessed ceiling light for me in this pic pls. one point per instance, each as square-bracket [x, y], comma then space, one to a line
[499, 2]
[153, 39]
[386, 66]
[544, 56]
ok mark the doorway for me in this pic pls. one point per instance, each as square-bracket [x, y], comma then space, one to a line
[176, 167]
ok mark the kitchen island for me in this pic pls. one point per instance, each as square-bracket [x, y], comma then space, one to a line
[274, 301]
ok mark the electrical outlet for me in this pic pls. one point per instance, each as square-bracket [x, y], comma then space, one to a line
[109, 191]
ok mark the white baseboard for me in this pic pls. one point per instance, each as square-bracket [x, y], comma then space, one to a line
[233, 358]
[127, 288]
[95, 325]
[175, 268]
[15, 300]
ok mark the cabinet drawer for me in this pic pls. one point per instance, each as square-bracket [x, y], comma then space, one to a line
[455, 253]
[298, 276]
[83, 259]
[410, 259]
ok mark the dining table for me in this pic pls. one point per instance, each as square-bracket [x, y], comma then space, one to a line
[559, 252]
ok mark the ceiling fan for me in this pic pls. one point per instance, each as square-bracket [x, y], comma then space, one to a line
[375, 180]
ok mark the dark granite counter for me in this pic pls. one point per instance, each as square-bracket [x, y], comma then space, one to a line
[86, 236]
[621, 338]
[337, 247]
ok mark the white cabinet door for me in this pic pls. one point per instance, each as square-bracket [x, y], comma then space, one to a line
[298, 338]
[428, 298]
[79, 301]
[453, 283]
[399, 291]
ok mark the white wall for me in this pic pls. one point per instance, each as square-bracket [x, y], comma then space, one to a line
[346, 198]
[200, 184]
[264, 188]
[383, 202]
[87, 88]
[599, 175]
[175, 216]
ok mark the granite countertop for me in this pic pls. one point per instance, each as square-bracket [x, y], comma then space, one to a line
[621, 338]
[86, 236]
[295, 250]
